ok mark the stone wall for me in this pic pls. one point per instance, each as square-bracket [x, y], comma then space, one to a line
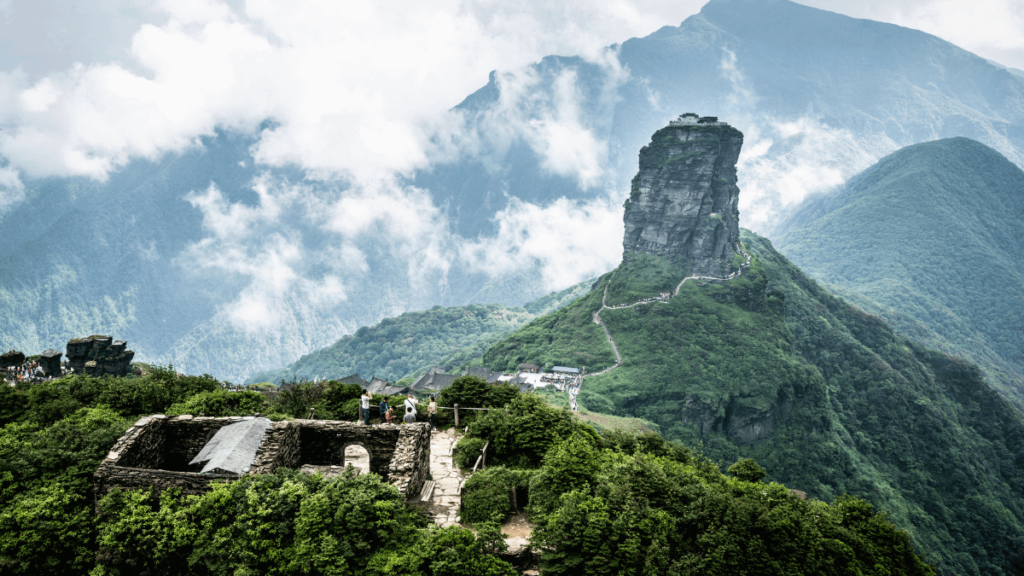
[186, 437]
[155, 452]
[410, 464]
[281, 448]
[324, 441]
[137, 458]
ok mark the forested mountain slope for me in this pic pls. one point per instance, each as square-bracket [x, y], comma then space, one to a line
[410, 344]
[935, 234]
[828, 398]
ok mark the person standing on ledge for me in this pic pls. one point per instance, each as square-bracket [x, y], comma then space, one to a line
[410, 404]
[432, 411]
[364, 403]
[383, 409]
[410, 416]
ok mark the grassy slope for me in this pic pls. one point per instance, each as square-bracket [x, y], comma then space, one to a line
[407, 345]
[935, 234]
[839, 402]
[567, 337]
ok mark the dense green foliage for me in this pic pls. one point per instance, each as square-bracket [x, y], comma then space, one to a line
[55, 434]
[523, 433]
[567, 337]
[623, 503]
[285, 523]
[934, 233]
[471, 392]
[827, 398]
[294, 523]
[408, 345]
[640, 276]
[487, 495]
[640, 514]
[222, 403]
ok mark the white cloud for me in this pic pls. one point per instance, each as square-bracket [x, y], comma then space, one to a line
[572, 240]
[11, 188]
[783, 160]
[354, 90]
[249, 242]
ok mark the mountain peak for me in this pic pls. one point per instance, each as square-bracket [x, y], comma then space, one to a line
[683, 201]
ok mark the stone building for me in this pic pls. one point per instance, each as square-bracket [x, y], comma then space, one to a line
[191, 452]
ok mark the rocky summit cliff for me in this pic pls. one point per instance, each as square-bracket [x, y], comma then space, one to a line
[683, 201]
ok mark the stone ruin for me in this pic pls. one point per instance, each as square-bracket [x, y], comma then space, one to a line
[12, 358]
[99, 355]
[191, 452]
[49, 361]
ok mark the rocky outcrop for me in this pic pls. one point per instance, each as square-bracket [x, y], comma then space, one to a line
[683, 202]
[12, 358]
[99, 355]
[49, 361]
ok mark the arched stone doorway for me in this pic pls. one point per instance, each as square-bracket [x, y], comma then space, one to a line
[357, 455]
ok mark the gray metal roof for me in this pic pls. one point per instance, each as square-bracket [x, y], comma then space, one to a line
[233, 448]
[354, 379]
[566, 370]
[485, 373]
[434, 381]
[377, 385]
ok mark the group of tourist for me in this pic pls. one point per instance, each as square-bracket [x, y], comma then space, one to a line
[387, 412]
[30, 371]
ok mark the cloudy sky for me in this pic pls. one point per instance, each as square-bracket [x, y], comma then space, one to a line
[360, 92]
[86, 85]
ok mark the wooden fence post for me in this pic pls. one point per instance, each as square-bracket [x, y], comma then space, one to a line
[456, 414]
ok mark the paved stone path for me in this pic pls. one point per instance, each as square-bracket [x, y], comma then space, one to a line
[445, 500]
[605, 306]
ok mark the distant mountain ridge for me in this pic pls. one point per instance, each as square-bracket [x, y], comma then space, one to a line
[410, 344]
[83, 257]
[935, 234]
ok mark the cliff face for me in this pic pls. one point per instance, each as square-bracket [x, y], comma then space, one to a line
[683, 202]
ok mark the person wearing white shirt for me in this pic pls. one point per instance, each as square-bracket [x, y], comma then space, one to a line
[410, 404]
[364, 403]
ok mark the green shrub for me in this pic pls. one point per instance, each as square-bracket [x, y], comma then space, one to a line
[488, 494]
[568, 466]
[747, 470]
[467, 450]
[521, 435]
[646, 442]
[452, 551]
[47, 531]
[222, 403]
[67, 451]
[650, 515]
[473, 392]
[281, 523]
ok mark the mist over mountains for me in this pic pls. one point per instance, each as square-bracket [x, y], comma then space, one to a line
[218, 263]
